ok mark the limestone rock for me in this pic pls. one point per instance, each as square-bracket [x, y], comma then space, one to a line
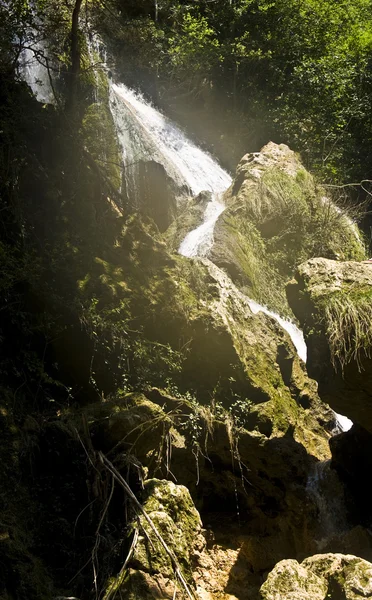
[172, 512]
[277, 217]
[319, 577]
[198, 330]
[122, 421]
[291, 581]
[254, 165]
[332, 300]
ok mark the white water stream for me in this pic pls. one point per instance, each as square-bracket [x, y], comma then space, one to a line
[327, 493]
[33, 70]
[145, 133]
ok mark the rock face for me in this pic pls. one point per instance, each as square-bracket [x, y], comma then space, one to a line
[157, 193]
[333, 301]
[201, 405]
[352, 458]
[242, 426]
[276, 217]
[322, 576]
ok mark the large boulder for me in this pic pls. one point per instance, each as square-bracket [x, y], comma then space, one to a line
[277, 217]
[334, 576]
[168, 537]
[169, 318]
[291, 581]
[333, 302]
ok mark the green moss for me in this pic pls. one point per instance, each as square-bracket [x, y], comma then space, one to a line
[283, 411]
[260, 279]
[173, 513]
[272, 226]
[100, 138]
[98, 129]
[114, 584]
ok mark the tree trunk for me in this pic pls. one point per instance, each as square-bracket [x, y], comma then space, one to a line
[75, 56]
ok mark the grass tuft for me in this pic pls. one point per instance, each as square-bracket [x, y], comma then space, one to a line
[348, 319]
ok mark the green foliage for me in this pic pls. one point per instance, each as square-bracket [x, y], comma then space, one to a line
[308, 223]
[100, 137]
[348, 323]
[195, 49]
[240, 411]
[295, 71]
[129, 358]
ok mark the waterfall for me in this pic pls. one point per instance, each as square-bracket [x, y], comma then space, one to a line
[343, 423]
[294, 332]
[146, 134]
[33, 70]
[327, 493]
[199, 241]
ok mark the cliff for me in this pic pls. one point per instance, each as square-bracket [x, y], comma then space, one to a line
[159, 436]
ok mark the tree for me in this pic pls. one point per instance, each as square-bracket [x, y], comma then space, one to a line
[75, 56]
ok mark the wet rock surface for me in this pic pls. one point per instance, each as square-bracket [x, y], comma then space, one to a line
[201, 405]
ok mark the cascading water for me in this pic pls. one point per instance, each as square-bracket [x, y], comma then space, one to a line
[199, 241]
[294, 332]
[146, 134]
[33, 69]
[197, 168]
[327, 494]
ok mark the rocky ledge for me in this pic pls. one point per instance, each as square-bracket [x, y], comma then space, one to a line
[333, 302]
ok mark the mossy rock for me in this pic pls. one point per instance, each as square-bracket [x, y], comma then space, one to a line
[141, 585]
[131, 423]
[172, 512]
[319, 577]
[291, 581]
[332, 301]
[277, 217]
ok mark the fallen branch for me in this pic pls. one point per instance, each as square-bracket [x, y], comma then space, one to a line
[345, 185]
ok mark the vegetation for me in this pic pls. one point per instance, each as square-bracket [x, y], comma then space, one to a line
[297, 72]
[272, 225]
[348, 318]
[282, 70]
[94, 310]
